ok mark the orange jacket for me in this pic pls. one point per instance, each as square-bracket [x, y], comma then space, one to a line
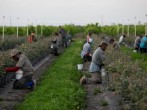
[30, 39]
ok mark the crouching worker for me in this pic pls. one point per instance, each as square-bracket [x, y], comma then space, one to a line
[23, 69]
[115, 44]
[86, 53]
[96, 65]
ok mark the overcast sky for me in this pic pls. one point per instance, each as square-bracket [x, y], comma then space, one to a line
[60, 12]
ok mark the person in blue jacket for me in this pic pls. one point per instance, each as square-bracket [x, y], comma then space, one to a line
[143, 44]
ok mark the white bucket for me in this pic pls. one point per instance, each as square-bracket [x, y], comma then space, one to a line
[103, 72]
[52, 46]
[134, 51]
[80, 66]
[19, 74]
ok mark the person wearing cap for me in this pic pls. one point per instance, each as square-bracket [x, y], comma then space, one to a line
[96, 65]
[56, 44]
[105, 39]
[115, 44]
[63, 35]
[86, 53]
[32, 38]
[22, 64]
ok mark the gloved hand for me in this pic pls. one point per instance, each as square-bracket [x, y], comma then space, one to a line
[7, 69]
[11, 69]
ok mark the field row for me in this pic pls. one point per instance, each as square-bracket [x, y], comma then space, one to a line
[59, 88]
[127, 72]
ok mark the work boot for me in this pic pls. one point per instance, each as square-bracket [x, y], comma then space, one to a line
[96, 78]
[56, 54]
[83, 80]
[99, 81]
[34, 81]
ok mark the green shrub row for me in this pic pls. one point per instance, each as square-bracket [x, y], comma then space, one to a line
[127, 75]
[34, 51]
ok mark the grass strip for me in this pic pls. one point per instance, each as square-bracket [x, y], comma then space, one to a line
[59, 88]
[137, 56]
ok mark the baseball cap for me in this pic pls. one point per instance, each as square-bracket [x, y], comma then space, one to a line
[103, 43]
[13, 52]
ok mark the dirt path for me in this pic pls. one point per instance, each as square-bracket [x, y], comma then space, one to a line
[9, 97]
[99, 97]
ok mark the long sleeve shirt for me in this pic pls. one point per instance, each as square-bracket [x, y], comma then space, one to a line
[86, 49]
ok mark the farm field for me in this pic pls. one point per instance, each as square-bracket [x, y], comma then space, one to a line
[59, 86]
[124, 83]
[73, 54]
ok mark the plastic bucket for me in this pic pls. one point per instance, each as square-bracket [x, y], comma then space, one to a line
[52, 46]
[134, 51]
[80, 66]
[103, 72]
[19, 74]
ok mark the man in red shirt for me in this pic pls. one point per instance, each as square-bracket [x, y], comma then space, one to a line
[32, 38]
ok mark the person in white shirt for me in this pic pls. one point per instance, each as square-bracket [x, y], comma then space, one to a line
[122, 39]
[86, 53]
[96, 65]
[89, 36]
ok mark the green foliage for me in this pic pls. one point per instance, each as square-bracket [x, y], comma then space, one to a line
[31, 29]
[113, 30]
[137, 56]
[72, 29]
[109, 30]
[10, 30]
[48, 30]
[127, 72]
[11, 42]
[22, 31]
[116, 30]
[34, 51]
[94, 28]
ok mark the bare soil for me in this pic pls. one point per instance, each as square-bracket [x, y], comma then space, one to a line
[104, 100]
